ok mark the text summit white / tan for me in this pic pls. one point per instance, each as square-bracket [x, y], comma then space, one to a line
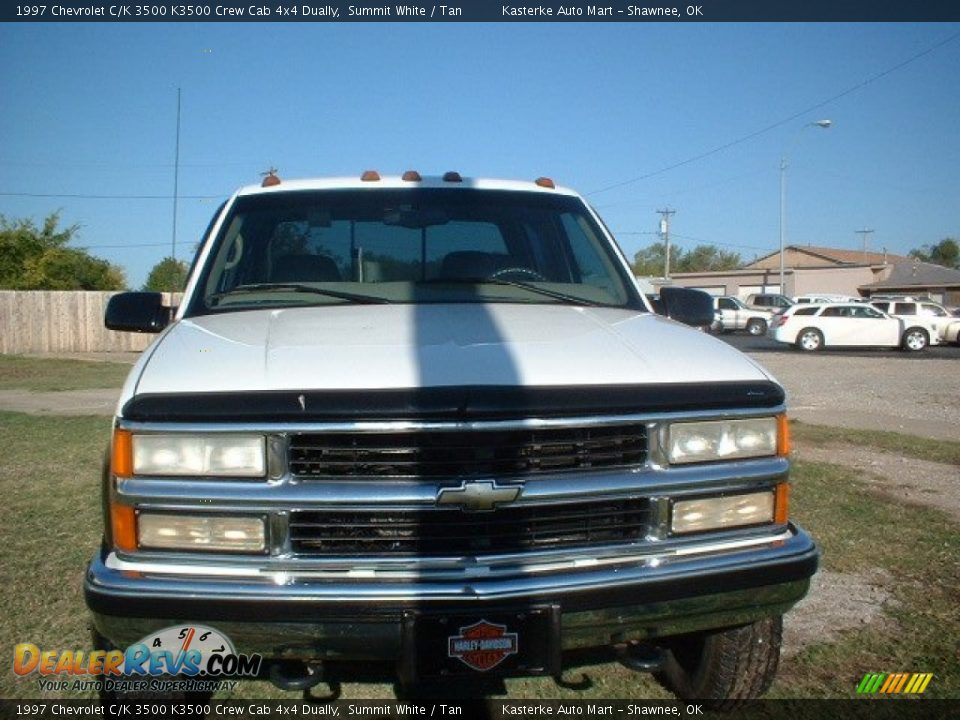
[392, 413]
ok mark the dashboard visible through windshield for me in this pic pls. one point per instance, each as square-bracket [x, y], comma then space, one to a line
[310, 247]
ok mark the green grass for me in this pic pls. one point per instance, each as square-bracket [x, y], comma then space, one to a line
[50, 489]
[49, 482]
[943, 451]
[18, 372]
[919, 547]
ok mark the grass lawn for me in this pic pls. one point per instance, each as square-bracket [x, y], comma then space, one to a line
[942, 451]
[49, 481]
[18, 372]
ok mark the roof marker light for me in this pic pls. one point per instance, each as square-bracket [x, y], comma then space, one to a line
[370, 176]
[452, 177]
[546, 183]
[411, 176]
[270, 178]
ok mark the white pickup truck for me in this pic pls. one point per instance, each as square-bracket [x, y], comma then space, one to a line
[428, 429]
[735, 315]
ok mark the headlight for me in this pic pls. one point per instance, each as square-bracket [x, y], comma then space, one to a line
[200, 532]
[718, 513]
[690, 442]
[199, 455]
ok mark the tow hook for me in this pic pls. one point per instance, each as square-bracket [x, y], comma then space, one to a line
[303, 676]
[640, 657]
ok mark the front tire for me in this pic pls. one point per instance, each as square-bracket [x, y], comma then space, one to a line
[757, 327]
[915, 340]
[724, 668]
[810, 340]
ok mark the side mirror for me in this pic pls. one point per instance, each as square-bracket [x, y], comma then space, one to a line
[689, 306]
[142, 312]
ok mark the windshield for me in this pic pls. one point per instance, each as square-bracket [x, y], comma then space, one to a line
[410, 246]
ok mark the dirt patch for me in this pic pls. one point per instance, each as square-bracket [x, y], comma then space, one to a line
[904, 479]
[66, 402]
[840, 602]
[837, 602]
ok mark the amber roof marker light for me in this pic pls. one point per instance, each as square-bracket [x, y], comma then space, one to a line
[452, 176]
[370, 176]
[270, 178]
[545, 182]
[411, 176]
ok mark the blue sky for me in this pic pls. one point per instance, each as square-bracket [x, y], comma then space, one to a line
[90, 109]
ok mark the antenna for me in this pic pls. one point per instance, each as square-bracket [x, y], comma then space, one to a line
[176, 180]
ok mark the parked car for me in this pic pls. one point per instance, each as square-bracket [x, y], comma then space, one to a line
[951, 335]
[735, 315]
[819, 298]
[773, 302]
[934, 314]
[814, 327]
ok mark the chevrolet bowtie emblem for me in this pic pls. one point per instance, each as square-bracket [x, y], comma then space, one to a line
[479, 495]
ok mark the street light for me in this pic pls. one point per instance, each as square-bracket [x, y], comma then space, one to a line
[783, 194]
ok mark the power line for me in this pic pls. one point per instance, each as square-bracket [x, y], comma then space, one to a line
[784, 121]
[723, 244]
[133, 245]
[84, 196]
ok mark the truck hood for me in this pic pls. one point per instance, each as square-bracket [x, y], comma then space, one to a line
[353, 347]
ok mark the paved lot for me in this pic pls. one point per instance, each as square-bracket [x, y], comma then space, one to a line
[913, 393]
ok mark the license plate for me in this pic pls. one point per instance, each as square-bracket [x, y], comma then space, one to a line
[497, 643]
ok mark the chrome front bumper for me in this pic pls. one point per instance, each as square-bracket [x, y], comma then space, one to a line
[279, 615]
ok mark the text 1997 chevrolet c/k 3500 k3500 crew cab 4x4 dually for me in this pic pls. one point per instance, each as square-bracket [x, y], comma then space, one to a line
[428, 427]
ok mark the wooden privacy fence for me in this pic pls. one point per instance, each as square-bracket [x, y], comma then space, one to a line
[53, 321]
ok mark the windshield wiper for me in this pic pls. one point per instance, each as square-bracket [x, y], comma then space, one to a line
[513, 283]
[296, 287]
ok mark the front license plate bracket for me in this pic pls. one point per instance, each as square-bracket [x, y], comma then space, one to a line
[494, 642]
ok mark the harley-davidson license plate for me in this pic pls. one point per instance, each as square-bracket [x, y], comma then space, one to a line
[499, 643]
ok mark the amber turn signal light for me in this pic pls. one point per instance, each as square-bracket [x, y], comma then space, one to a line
[781, 503]
[123, 527]
[121, 455]
[783, 436]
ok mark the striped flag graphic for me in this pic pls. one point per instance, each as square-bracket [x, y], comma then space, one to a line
[894, 683]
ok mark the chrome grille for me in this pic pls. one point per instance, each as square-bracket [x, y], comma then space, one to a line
[497, 453]
[447, 532]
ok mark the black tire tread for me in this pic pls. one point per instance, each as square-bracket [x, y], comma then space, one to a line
[734, 666]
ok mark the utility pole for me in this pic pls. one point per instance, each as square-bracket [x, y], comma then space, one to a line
[865, 237]
[665, 236]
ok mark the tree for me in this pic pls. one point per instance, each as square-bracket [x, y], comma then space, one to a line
[648, 261]
[946, 253]
[703, 258]
[168, 275]
[37, 258]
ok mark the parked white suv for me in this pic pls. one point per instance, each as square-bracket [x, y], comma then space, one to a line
[427, 429]
[944, 326]
[814, 327]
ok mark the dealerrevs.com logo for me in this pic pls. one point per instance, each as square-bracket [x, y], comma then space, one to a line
[186, 651]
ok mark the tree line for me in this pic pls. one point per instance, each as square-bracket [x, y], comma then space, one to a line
[37, 257]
